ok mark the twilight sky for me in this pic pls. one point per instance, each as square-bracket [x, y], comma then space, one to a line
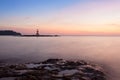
[68, 17]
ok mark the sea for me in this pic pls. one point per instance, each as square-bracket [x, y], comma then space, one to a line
[103, 50]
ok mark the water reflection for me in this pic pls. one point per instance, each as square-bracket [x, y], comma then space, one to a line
[104, 50]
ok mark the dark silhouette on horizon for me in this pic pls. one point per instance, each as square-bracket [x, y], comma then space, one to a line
[9, 32]
[13, 33]
[38, 35]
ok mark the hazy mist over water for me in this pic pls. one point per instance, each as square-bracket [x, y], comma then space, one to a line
[104, 50]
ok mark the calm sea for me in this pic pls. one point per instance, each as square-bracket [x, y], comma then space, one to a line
[103, 50]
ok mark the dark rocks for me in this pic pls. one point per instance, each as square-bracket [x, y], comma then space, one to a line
[18, 67]
[51, 61]
[54, 69]
[7, 72]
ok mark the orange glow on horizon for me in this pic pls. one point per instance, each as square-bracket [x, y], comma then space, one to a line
[89, 18]
[66, 31]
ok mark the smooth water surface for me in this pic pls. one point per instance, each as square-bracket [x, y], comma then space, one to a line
[104, 50]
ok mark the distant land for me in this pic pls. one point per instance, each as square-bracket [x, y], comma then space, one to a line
[9, 32]
[40, 35]
[14, 33]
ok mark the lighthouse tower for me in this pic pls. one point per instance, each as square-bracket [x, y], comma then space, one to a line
[37, 32]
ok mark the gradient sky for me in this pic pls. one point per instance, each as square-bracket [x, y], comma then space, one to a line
[68, 17]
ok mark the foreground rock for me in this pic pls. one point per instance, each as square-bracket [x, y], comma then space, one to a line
[52, 69]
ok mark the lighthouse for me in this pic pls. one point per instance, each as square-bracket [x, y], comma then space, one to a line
[37, 32]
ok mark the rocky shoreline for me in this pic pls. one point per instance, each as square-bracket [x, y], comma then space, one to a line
[52, 69]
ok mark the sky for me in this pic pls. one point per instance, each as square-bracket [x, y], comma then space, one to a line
[63, 17]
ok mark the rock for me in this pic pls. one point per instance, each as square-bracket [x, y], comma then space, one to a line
[18, 67]
[7, 72]
[54, 69]
[8, 78]
[52, 61]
